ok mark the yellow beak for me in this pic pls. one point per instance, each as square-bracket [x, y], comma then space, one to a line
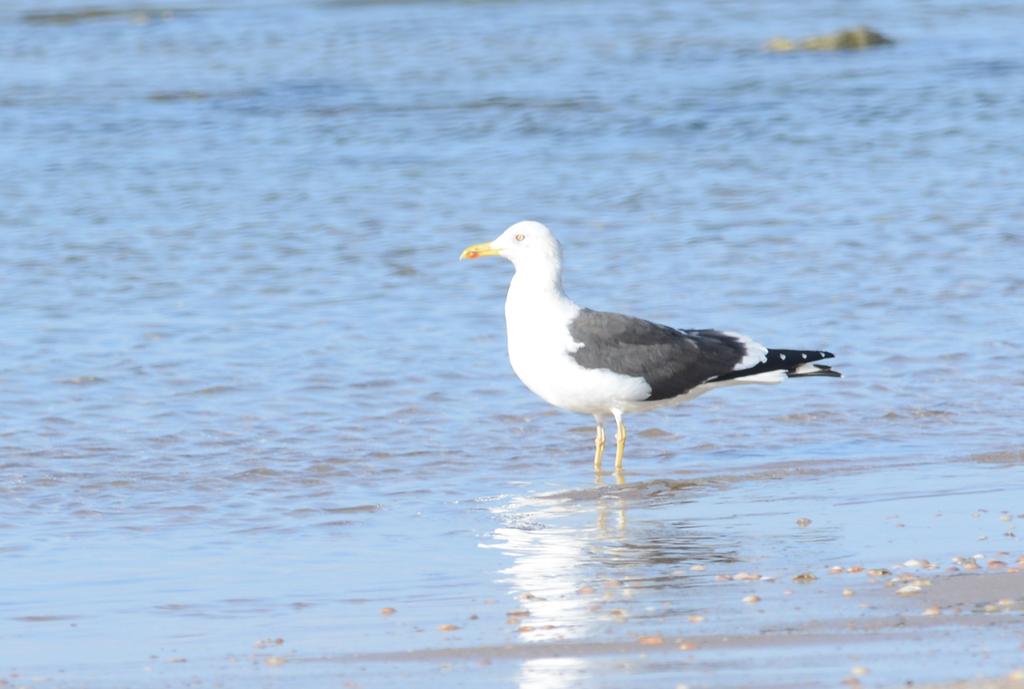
[478, 250]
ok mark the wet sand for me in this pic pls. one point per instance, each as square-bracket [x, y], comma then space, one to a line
[949, 608]
[784, 574]
[572, 610]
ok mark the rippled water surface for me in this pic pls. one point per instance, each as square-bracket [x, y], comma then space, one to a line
[248, 393]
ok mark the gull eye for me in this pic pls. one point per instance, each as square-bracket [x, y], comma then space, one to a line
[520, 237]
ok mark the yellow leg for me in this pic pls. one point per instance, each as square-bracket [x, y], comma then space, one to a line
[598, 447]
[620, 439]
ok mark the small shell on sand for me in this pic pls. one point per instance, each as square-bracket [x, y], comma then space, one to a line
[447, 627]
[931, 611]
[753, 598]
[387, 611]
[275, 661]
[804, 578]
[652, 640]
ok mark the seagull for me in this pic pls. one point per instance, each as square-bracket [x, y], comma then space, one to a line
[607, 364]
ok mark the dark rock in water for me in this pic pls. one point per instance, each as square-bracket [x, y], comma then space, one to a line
[848, 39]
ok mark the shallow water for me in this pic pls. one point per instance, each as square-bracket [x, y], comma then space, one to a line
[249, 393]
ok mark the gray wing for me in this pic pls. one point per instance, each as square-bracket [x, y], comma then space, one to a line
[672, 361]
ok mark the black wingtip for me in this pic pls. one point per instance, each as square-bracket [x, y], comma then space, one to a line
[799, 356]
[790, 361]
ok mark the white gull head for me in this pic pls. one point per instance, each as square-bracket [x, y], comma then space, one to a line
[527, 244]
[530, 246]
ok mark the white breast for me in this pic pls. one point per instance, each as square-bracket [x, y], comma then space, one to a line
[540, 350]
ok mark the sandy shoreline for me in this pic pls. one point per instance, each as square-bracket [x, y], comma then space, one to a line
[948, 609]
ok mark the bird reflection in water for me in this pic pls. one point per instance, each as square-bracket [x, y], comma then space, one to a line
[553, 672]
[603, 509]
[580, 567]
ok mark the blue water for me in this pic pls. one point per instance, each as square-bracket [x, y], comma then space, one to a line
[248, 392]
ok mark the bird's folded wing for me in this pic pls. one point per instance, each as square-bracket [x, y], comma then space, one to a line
[672, 361]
